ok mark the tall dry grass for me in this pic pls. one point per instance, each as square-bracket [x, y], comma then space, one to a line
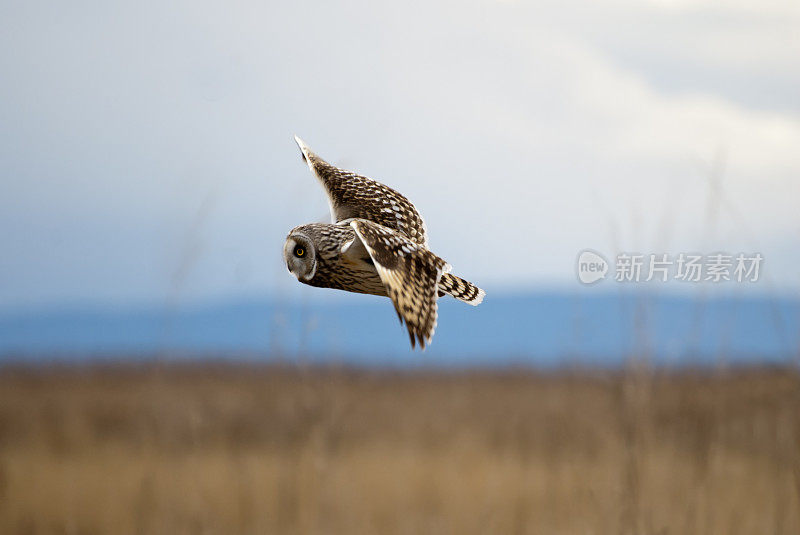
[238, 449]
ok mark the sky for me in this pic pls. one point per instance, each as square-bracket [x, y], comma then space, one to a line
[147, 153]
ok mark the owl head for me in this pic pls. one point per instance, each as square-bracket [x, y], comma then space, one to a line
[300, 255]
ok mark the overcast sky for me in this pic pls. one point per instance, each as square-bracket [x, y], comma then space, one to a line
[146, 148]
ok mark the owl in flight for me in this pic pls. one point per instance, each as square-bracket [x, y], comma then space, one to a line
[377, 244]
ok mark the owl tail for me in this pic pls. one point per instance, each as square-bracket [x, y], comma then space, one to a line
[460, 289]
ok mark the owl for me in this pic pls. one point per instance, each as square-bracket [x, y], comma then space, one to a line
[377, 244]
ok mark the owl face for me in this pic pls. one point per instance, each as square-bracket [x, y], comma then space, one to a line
[300, 255]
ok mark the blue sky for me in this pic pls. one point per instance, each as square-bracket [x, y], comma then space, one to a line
[146, 150]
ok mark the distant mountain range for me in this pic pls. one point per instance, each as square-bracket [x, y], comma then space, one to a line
[543, 329]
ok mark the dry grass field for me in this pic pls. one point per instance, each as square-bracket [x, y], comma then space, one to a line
[246, 449]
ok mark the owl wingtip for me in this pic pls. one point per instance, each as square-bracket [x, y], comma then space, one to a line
[305, 151]
[302, 144]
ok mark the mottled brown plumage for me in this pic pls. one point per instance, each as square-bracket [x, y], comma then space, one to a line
[352, 270]
[376, 245]
[411, 274]
[354, 196]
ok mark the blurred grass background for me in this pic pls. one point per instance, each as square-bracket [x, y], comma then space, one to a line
[212, 448]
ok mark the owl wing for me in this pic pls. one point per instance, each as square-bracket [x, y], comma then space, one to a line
[410, 273]
[354, 196]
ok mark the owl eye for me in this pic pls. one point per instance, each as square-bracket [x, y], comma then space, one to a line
[299, 251]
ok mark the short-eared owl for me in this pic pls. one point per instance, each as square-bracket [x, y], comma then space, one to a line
[377, 244]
